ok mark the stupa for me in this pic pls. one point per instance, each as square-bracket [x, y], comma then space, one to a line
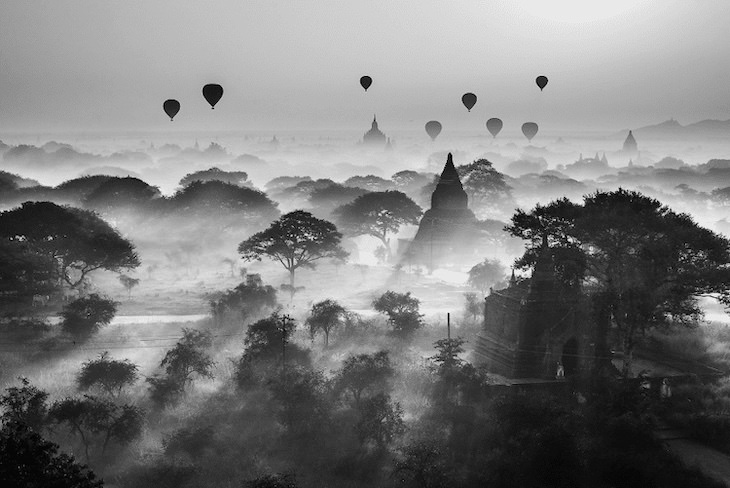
[448, 229]
[374, 136]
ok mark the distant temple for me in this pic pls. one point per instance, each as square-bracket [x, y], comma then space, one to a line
[532, 328]
[374, 136]
[630, 146]
[448, 229]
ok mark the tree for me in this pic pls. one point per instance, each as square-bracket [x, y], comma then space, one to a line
[246, 300]
[76, 241]
[117, 193]
[109, 375]
[402, 311]
[325, 316]
[381, 420]
[296, 240]
[238, 178]
[642, 265]
[97, 420]
[28, 460]
[85, 316]
[370, 183]
[364, 373]
[128, 283]
[24, 405]
[411, 182]
[378, 214]
[485, 274]
[474, 306]
[423, 464]
[302, 397]
[188, 357]
[485, 185]
[216, 197]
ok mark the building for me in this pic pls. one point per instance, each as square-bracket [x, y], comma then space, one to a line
[630, 146]
[448, 230]
[532, 328]
[374, 136]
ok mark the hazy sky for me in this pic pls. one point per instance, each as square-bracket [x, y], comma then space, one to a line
[70, 65]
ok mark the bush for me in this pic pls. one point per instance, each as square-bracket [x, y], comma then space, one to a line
[85, 316]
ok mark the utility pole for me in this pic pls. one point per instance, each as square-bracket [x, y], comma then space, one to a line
[448, 326]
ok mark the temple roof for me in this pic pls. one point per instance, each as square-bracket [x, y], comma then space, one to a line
[449, 193]
[374, 134]
[630, 143]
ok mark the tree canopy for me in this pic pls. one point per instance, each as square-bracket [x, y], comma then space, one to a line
[296, 240]
[378, 214]
[76, 240]
[325, 316]
[643, 264]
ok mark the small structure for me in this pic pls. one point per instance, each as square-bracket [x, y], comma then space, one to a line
[533, 325]
[374, 137]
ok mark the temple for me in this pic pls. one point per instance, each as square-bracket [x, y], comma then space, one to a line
[532, 328]
[630, 146]
[374, 136]
[448, 229]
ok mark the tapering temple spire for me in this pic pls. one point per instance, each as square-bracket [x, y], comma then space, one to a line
[449, 193]
[512, 279]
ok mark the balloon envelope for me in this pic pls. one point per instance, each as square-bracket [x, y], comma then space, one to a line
[494, 125]
[212, 94]
[171, 108]
[529, 129]
[433, 129]
[469, 99]
[541, 81]
[365, 82]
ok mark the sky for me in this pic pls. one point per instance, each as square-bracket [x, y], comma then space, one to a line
[108, 65]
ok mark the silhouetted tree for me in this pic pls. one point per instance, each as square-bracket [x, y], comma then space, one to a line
[238, 178]
[25, 404]
[187, 358]
[296, 240]
[378, 214]
[118, 193]
[78, 241]
[248, 299]
[402, 311]
[381, 420]
[97, 420]
[645, 264]
[364, 373]
[85, 316]
[325, 316]
[128, 283]
[107, 374]
[28, 460]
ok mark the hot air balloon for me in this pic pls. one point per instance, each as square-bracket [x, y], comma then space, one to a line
[171, 108]
[541, 81]
[212, 94]
[433, 129]
[529, 129]
[365, 82]
[494, 125]
[469, 99]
